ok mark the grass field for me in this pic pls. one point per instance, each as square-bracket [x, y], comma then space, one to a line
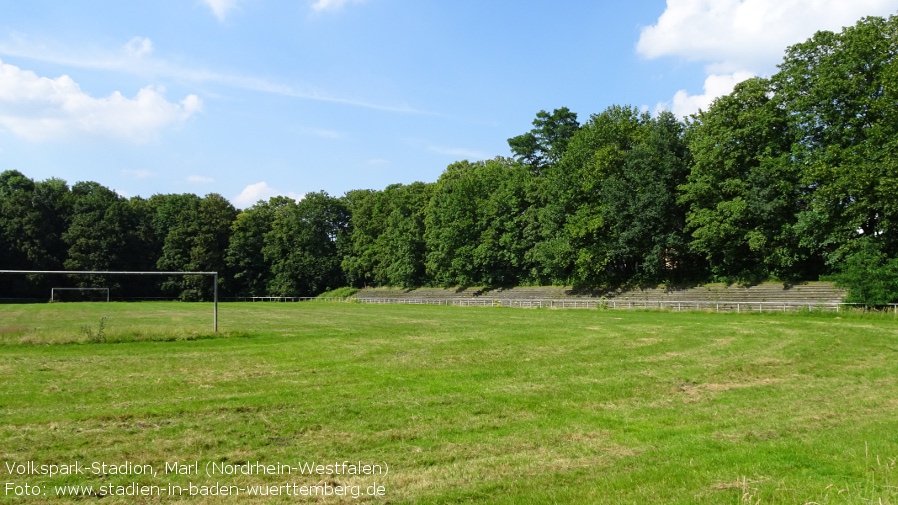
[452, 405]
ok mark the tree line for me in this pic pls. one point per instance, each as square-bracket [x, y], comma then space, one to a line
[792, 178]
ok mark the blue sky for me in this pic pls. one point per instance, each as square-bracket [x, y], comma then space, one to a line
[252, 98]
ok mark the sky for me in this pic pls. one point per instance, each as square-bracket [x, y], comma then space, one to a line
[256, 98]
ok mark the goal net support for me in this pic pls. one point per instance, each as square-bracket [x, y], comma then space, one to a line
[214, 276]
[54, 290]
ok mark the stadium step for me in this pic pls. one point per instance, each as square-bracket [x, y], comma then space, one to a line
[816, 292]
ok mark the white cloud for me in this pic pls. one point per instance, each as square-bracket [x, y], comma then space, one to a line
[199, 179]
[324, 5]
[221, 8]
[139, 173]
[136, 58]
[460, 152]
[733, 35]
[40, 108]
[260, 191]
[715, 86]
[737, 39]
[139, 47]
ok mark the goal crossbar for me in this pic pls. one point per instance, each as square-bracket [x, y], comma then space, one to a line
[108, 272]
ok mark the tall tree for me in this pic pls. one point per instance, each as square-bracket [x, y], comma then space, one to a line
[475, 232]
[575, 225]
[101, 235]
[368, 213]
[611, 216]
[196, 234]
[52, 201]
[147, 249]
[387, 246]
[33, 217]
[402, 242]
[646, 244]
[174, 221]
[840, 91]
[305, 246]
[251, 271]
[545, 144]
[744, 191]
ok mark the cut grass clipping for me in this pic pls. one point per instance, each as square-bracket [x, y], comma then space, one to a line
[422, 404]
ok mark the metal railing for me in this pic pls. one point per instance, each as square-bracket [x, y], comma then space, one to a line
[593, 303]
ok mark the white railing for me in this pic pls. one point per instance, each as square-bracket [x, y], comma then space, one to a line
[590, 303]
[674, 305]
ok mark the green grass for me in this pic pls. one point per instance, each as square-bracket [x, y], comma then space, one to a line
[464, 405]
[344, 292]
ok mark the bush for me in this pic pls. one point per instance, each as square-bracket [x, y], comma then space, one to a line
[869, 275]
[339, 293]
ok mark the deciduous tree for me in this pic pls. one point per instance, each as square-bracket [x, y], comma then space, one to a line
[840, 92]
[744, 192]
[546, 143]
[304, 246]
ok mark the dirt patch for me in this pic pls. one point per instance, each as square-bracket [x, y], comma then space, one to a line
[747, 488]
[642, 342]
[694, 390]
[747, 436]
[663, 357]
[597, 442]
[12, 329]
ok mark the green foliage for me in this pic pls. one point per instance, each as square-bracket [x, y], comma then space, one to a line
[102, 234]
[386, 244]
[98, 336]
[344, 292]
[196, 233]
[304, 245]
[840, 91]
[743, 192]
[545, 144]
[869, 275]
[785, 178]
[646, 243]
[573, 224]
[476, 225]
[33, 218]
[401, 245]
[368, 210]
[611, 215]
[251, 270]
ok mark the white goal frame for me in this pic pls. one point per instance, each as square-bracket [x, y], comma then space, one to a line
[54, 290]
[108, 272]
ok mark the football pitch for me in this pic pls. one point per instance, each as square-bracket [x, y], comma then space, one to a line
[345, 403]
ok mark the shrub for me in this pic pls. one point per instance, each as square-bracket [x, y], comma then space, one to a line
[344, 292]
[869, 275]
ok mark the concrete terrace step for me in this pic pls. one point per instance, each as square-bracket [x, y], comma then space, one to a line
[816, 292]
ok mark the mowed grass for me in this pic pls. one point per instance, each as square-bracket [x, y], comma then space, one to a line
[464, 405]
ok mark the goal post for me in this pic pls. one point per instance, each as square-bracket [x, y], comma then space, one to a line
[54, 290]
[214, 276]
